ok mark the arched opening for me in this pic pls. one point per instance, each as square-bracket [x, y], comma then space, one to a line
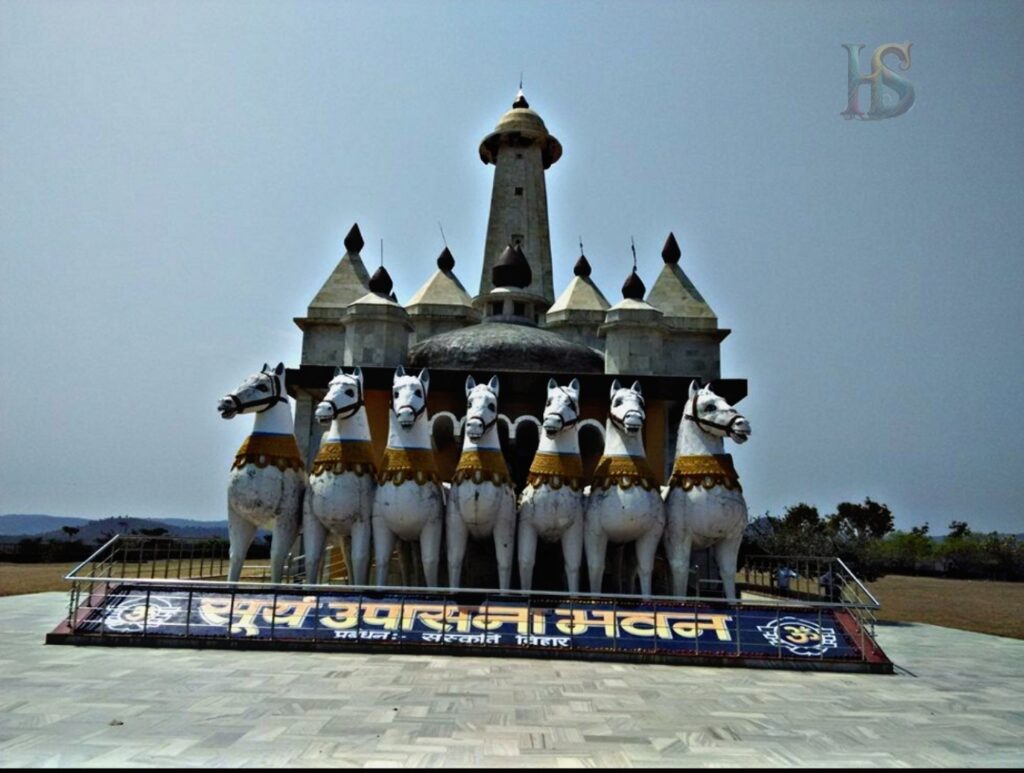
[444, 430]
[591, 446]
[524, 442]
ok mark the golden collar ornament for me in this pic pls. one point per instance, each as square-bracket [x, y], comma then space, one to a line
[705, 471]
[279, 451]
[340, 456]
[482, 464]
[624, 472]
[402, 464]
[556, 470]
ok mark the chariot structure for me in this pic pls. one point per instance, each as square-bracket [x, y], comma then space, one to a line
[445, 394]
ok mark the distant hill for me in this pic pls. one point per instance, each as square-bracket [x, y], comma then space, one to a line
[89, 531]
[30, 525]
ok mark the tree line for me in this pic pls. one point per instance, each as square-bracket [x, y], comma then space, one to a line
[865, 537]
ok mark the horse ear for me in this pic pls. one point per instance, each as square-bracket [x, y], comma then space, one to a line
[399, 371]
[694, 387]
[279, 369]
[616, 386]
[470, 383]
[636, 388]
[574, 385]
[493, 385]
[358, 373]
[552, 384]
[425, 379]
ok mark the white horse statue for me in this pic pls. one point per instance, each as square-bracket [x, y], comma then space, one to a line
[343, 480]
[551, 505]
[409, 501]
[704, 500]
[625, 503]
[268, 477]
[482, 501]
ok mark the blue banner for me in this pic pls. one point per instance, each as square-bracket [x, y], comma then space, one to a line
[506, 623]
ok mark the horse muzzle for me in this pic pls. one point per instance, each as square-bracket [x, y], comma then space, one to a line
[553, 424]
[324, 413]
[406, 417]
[739, 430]
[227, 408]
[474, 428]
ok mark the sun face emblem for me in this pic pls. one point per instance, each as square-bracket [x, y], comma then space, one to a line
[131, 615]
[801, 637]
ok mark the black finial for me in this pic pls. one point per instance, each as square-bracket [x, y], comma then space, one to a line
[511, 269]
[380, 282]
[582, 267]
[671, 253]
[354, 239]
[633, 288]
[445, 261]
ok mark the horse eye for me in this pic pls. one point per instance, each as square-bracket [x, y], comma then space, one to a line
[350, 393]
[262, 388]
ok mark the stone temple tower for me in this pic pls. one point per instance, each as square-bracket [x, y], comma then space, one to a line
[521, 148]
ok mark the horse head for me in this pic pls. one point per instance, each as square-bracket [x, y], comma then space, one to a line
[409, 396]
[627, 409]
[258, 393]
[562, 410]
[481, 406]
[713, 415]
[344, 396]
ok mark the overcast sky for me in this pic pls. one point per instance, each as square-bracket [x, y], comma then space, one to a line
[176, 179]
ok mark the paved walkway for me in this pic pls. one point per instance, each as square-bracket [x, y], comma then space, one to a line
[958, 700]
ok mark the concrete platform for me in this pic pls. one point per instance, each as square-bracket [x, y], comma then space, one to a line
[956, 700]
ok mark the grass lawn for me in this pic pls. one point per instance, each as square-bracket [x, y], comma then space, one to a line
[33, 578]
[971, 605]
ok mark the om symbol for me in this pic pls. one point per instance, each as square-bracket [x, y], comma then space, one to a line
[801, 634]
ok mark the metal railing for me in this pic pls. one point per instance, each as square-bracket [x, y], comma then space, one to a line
[156, 571]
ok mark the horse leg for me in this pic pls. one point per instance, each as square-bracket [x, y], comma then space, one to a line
[240, 536]
[527, 554]
[572, 553]
[314, 534]
[458, 535]
[678, 543]
[727, 554]
[281, 545]
[430, 550]
[504, 537]
[596, 543]
[646, 547]
[383, 545]
[360, 552]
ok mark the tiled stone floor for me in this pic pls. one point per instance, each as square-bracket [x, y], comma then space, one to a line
[958, 699]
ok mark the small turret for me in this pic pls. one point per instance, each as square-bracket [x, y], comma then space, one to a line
[323, 332]
[441, 304]
[579, 311]
[632, 331]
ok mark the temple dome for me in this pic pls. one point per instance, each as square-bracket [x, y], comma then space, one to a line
[505, 346]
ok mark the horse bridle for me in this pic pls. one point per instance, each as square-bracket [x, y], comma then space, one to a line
[487, 424]
[353, 409]
[416, 412]
[702, 423]
[268, 402]
[575, 408]
[643, 415]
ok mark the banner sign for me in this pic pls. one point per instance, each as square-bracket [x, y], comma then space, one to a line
[500, 622]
